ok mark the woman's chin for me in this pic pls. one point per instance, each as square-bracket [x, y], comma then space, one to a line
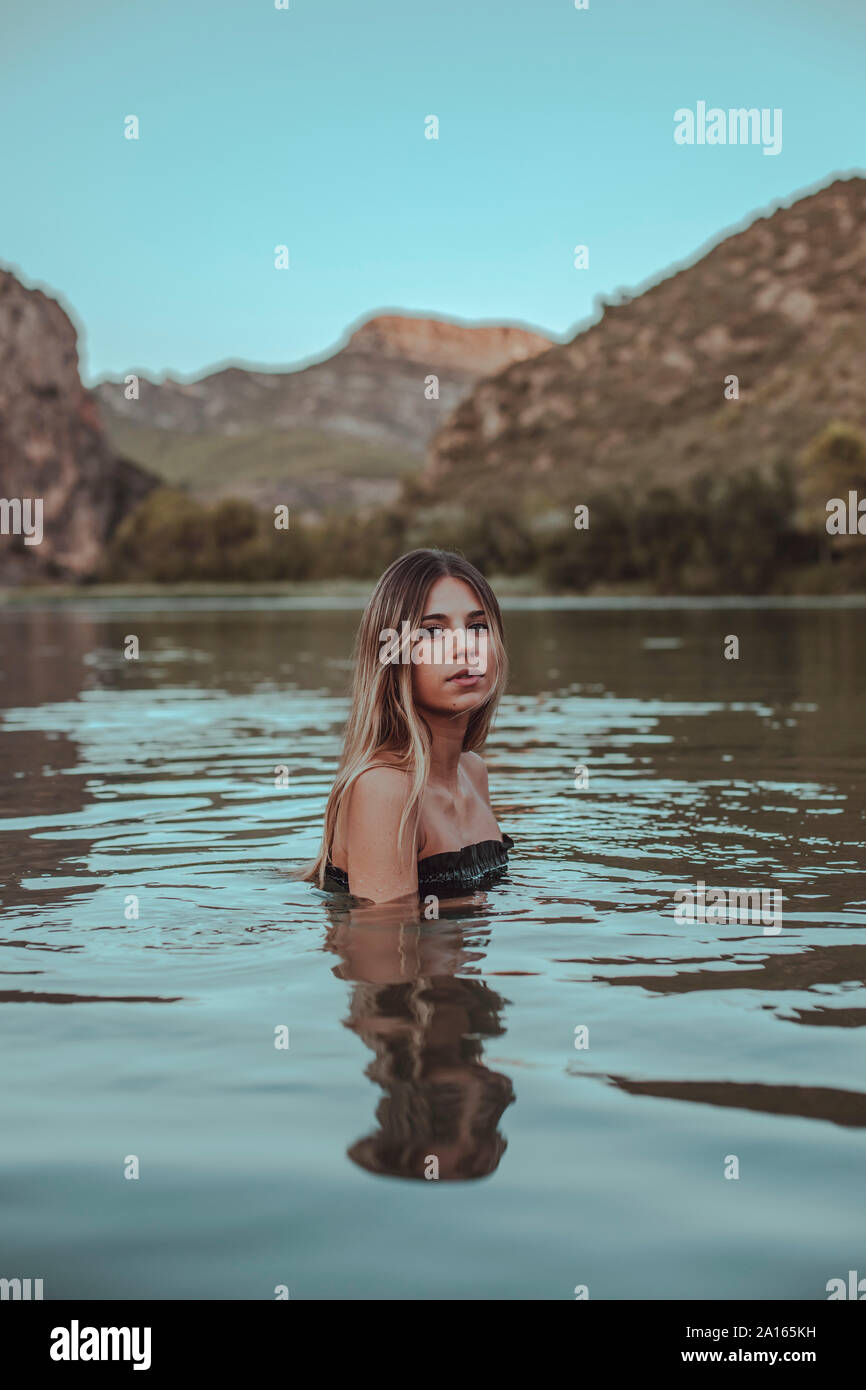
[465, 701]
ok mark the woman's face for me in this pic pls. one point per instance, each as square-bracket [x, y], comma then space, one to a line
[453, 663]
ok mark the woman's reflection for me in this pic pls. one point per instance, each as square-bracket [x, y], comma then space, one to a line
[425, 1025]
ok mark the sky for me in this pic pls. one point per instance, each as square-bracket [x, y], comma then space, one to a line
[305, 127]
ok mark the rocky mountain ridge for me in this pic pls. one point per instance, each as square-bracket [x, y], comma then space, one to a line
[372, 388]
[735, 361]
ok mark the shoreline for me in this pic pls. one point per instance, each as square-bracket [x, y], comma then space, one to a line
[514, 592]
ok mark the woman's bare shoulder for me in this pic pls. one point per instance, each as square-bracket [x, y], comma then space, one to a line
[381, 785]
[381, 866]
[375, 798]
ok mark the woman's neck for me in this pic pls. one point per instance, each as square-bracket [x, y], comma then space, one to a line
[446, 747]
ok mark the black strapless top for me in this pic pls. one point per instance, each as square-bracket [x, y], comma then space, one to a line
[451, 872]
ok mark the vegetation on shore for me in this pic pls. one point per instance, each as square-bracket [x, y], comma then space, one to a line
[738, 533]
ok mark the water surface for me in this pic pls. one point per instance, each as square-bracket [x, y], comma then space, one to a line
[149, 786]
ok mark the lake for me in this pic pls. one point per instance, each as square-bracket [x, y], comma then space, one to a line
[638, 1105]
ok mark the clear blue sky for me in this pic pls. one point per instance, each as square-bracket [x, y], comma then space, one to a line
[306, 127]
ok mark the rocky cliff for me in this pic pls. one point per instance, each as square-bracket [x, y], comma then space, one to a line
[639, 397]
[371, 390]
[52, 445]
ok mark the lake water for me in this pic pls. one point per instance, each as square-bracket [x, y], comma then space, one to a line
[712, 1045]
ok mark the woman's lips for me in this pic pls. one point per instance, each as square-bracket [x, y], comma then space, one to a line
[465, 678]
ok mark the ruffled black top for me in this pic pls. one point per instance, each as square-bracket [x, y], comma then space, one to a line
[453, 871]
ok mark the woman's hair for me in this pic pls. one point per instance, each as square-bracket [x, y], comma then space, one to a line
[383, 717]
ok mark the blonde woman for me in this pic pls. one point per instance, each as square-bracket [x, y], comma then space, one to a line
[409, 811]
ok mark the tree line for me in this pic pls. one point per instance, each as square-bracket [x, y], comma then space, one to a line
[744, 532]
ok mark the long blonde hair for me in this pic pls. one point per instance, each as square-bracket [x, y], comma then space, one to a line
[383, 717]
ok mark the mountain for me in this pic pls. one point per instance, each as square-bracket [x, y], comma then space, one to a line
[53, 449]
[341, 431]
[638, 398]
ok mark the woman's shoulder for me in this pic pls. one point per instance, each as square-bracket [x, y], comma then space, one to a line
[382, 787]
[385, 775]
[373, 803]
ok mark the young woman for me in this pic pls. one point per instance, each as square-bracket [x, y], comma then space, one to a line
[409, 810]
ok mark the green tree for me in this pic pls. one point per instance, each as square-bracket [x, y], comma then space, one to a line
[831, 465]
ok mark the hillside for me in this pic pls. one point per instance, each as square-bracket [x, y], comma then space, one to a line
[52, 445]
[338, 433]
[638, 398]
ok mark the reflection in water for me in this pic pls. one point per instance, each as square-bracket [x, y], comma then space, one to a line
[811, 1102]
[817, 966]
[22, 996]
[439, 1115]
